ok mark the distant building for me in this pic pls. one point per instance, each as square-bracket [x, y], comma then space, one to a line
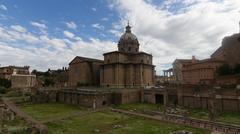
[20, 76]
[178, 66]
[201, 72]
[229, 51]
[161, 80]
[6, 72]
[127, 67]
[23, 81]
[84, 71]
[58, 77]
[168, 76]
[192, 71]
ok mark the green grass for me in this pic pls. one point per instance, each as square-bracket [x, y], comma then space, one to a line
[225, 117]
[16, 126]
[106, 122]
[51, 110]
[229, 117]
[141, 107]
[198, 113]
[86, 124]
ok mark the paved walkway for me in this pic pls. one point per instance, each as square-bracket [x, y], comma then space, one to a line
[217, 128]
[34, 123]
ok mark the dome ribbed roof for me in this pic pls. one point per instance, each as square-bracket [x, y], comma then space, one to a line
[128, 37]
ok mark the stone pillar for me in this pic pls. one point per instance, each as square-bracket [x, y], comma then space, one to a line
[165, 97]
[239, 104]
[153, 93]
[180, 94]
[94, 103]
[101, 75]
[212, 107]
[116, 76]
[141, 76]
[131, 76]
[142, 95]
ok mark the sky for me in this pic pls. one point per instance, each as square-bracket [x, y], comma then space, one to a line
[50, 33]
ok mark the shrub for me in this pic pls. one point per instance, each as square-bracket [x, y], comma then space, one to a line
[225, 69]
[48, 82]
[237, 69]
[5, 83]
[14, 93]
[3, 90]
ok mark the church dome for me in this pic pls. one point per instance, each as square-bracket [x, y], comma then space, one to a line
[128, 41]
[128, 36]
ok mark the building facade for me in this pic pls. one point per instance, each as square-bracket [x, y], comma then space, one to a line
[84, 71]
[23, 81]
[8, 71]
[201, 72]
[20, 77]
[178, 66]
[127, 67]
[229, 51]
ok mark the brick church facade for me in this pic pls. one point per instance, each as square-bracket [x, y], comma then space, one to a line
[125, 68]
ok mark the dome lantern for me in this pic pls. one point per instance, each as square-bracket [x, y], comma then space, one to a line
[128, 42]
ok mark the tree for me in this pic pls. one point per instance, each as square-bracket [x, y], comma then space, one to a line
[236, 69]
[48, 82]
[5, 83]
[225, 69]
[34, 72]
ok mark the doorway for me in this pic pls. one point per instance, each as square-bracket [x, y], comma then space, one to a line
[159, 99]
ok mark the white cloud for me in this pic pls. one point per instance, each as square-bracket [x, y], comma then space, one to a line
[71, 35]
[196, 28]
[23, 48]
[56, 43]
[98, 26]
[18, 28]
[41, 26]
[116, 33]
[104, 19]
[68, 34]
[71, 25]
[3, 7]
[38, 25]
[94, 9]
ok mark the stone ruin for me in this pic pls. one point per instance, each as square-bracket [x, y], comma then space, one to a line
[181, 132]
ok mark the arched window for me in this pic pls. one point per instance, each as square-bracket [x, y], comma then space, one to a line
[129, 49]
[104, 103]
